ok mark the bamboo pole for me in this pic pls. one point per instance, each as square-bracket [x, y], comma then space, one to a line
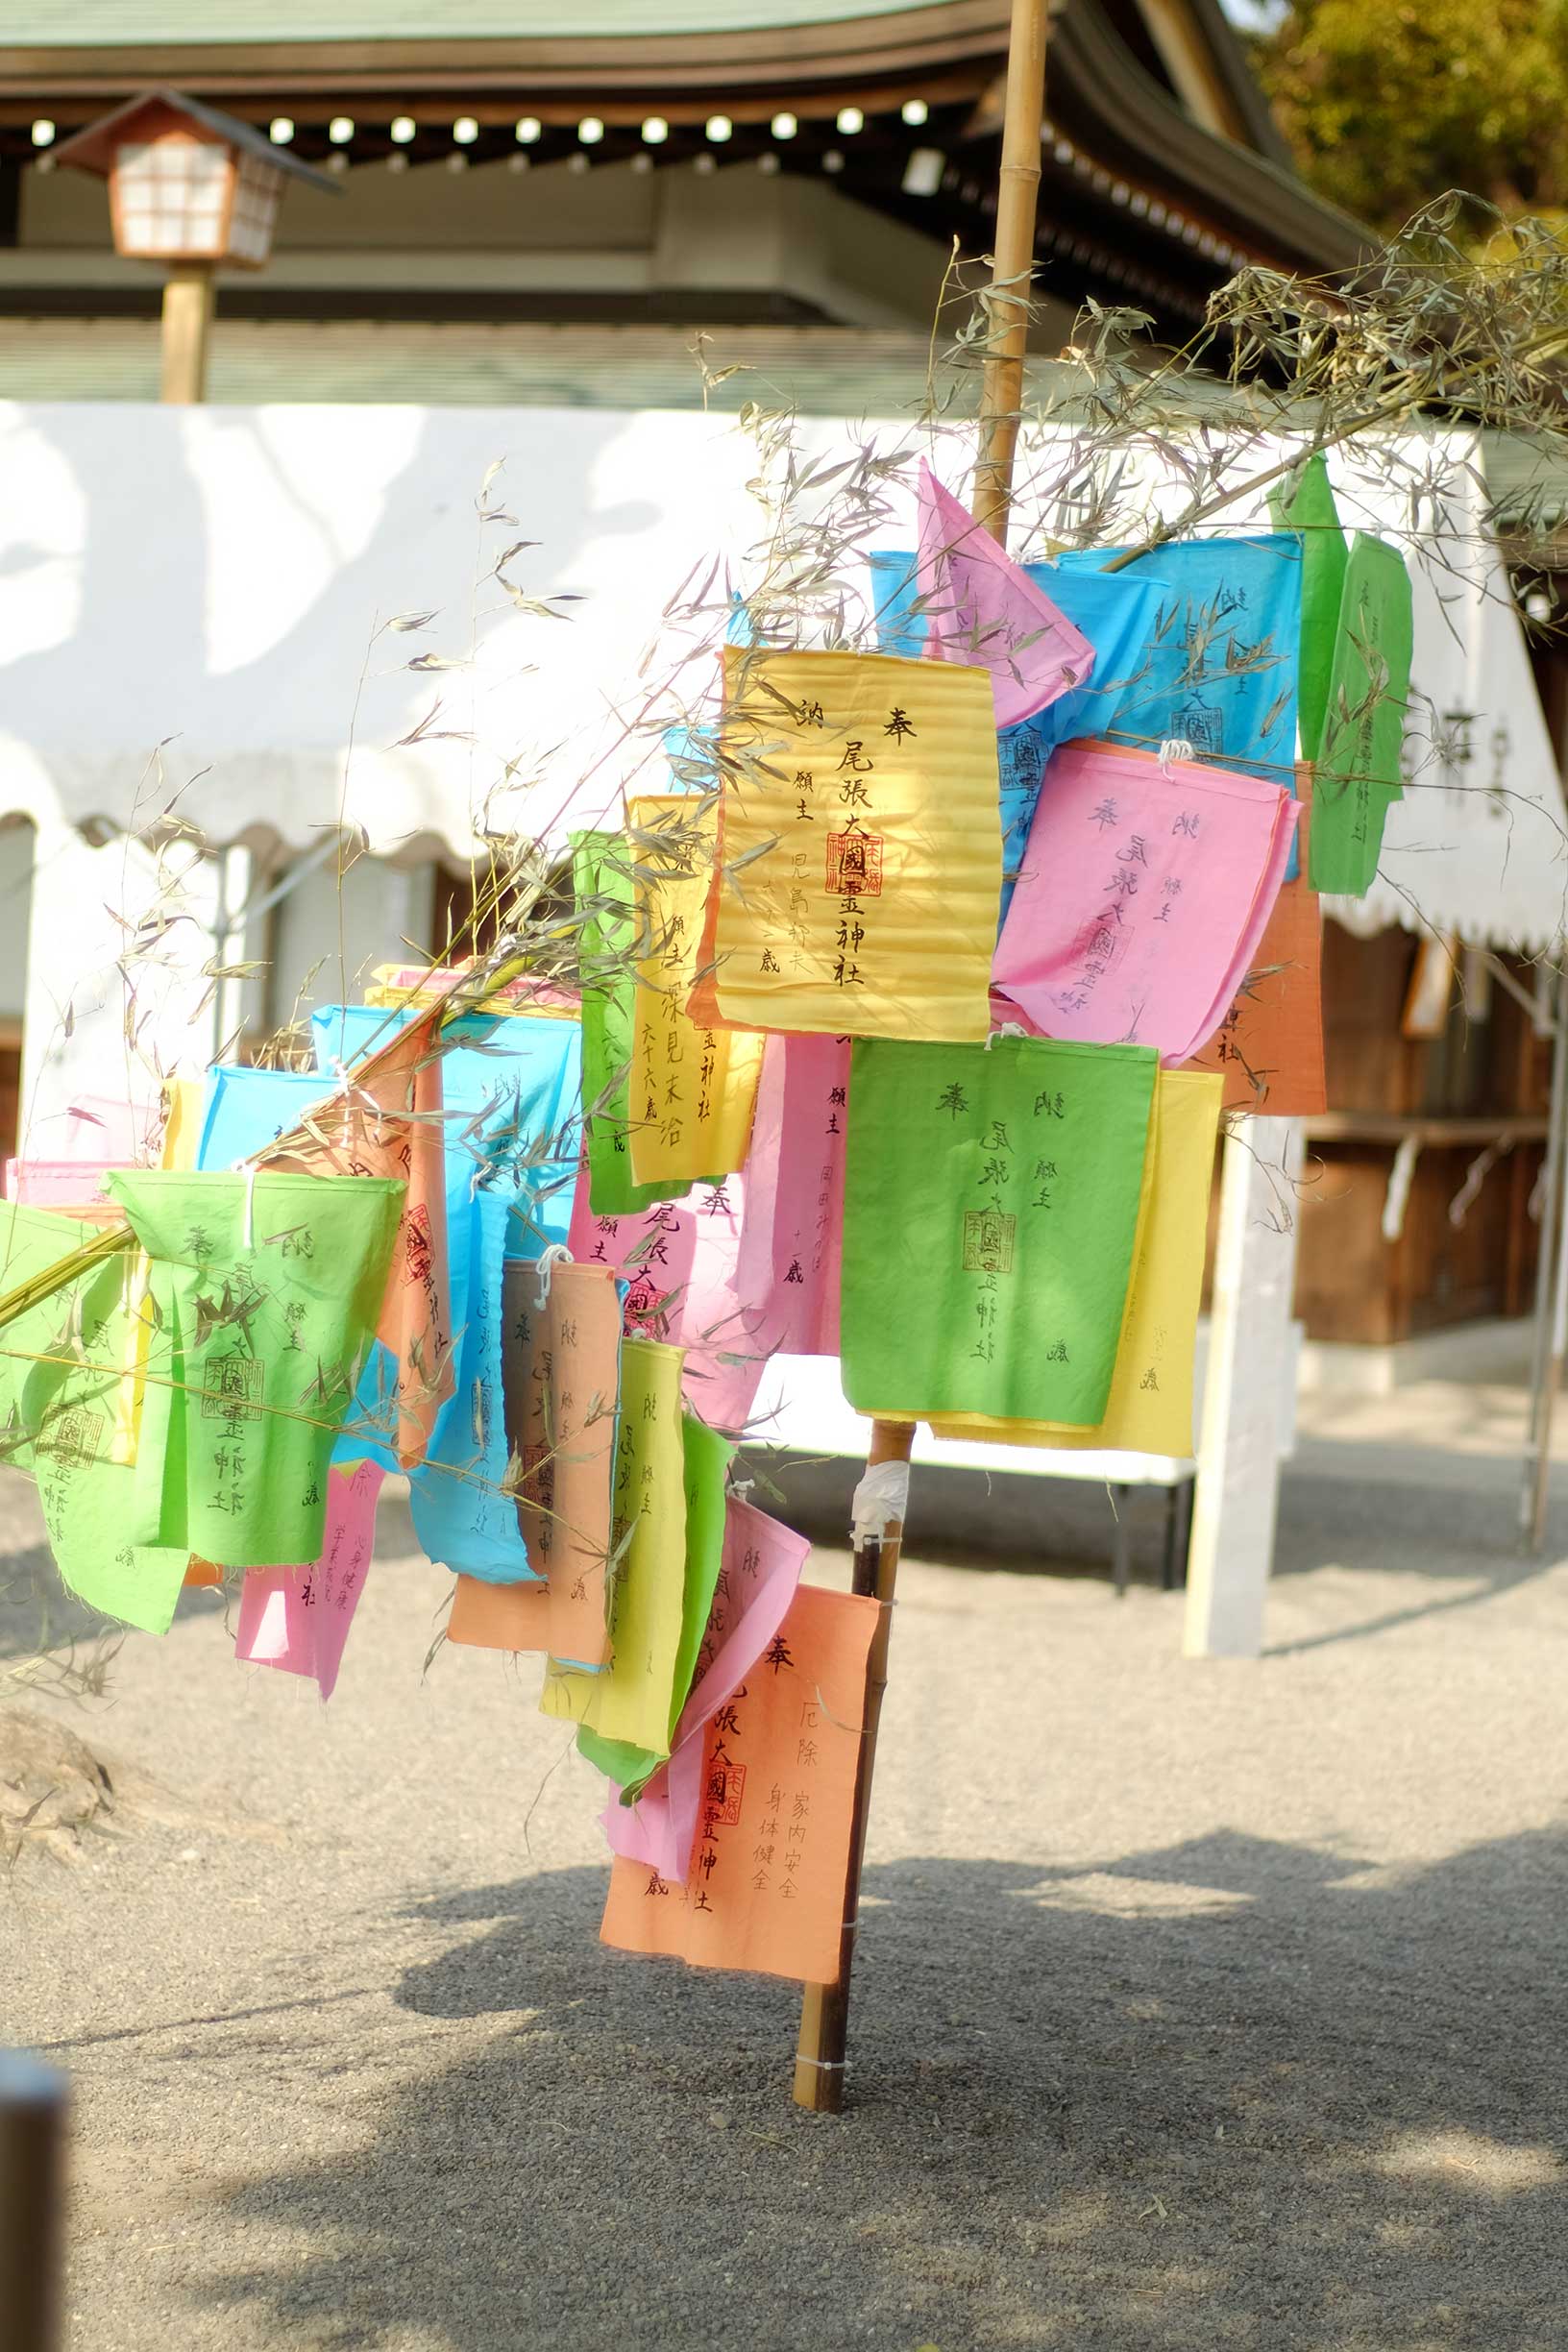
[1013, 268]
[824, 2013]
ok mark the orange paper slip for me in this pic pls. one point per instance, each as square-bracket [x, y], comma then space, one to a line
[1269, 1046]
[561, 1365]
[771, 1861]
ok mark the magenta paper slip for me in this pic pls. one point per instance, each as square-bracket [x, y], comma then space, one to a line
[1145, 891]
[792, 1233]
[982, 609]
[757, 1579]
[298, 1618]
[678, 1259]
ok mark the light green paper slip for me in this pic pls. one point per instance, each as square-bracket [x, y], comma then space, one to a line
[707, 1458]
[1308, 508]
[67, 1371]
[1357, 772]
[600, 868]
[991, 1212]
[267, 1290]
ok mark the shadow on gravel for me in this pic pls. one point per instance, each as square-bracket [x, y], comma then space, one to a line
[1228, 2092]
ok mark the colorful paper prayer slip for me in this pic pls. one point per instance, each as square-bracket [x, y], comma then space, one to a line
[771, 1860]
[630, 1698]
[1219, 671]
[983, 609]
[246, 1109]
[72, 1186]
[792, 1228]
[1269, 1046]
[757, 1582]
[266, 1287]
[1150, 1406]
[603, 887]
[387, 1121]
[692, 1090]
[1357, 772]
[460, 1498]
[1145, 889]
[860, 845]
[707, 1458]
[1119, 615]
[991, 1212]
[1307, 506]
[509, 1099]
[66, 1368]
[678, 1262]
[512, 1085]
[185, 1107]
[298, 1619]
[561, 1364]
[97, 1127]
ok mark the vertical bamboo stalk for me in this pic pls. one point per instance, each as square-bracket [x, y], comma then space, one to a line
[824, 2013]
[1017, 194]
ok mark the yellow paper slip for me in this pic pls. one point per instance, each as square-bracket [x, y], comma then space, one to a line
[185, 1106]
[630, 1700]
[692, 1091]
[1150, 1407]
[862, 845]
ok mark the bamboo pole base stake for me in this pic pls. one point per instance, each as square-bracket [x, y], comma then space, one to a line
[824, 2009]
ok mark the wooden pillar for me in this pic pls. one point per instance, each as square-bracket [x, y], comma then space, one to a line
[32, 2191]
[187, 318]
[1244, 1391]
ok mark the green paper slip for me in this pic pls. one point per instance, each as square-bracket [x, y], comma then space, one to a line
[707, 1458]
[67, 1385]
[1308, 508]
[267, 1290]
[1357, 772]
[991, 1213]
[600, 870]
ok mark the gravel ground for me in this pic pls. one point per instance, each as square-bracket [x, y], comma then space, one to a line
[1199, 2004]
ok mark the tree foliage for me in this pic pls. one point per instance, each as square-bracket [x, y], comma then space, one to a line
[1386, 106]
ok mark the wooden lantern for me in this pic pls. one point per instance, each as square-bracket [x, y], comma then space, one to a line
[189, 188]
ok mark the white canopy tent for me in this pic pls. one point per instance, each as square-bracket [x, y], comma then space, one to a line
[194, 610]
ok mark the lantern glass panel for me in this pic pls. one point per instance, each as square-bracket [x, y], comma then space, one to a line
[257, 190]
[173, 193]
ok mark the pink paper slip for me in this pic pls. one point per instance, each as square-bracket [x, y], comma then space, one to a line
[983, 609]
[298, 1619]
[1145, 889]
[792, 1233]
[680, 1260]
[757, 1579]
[60, 1184]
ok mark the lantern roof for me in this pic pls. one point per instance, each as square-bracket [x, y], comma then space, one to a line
[94, 148]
